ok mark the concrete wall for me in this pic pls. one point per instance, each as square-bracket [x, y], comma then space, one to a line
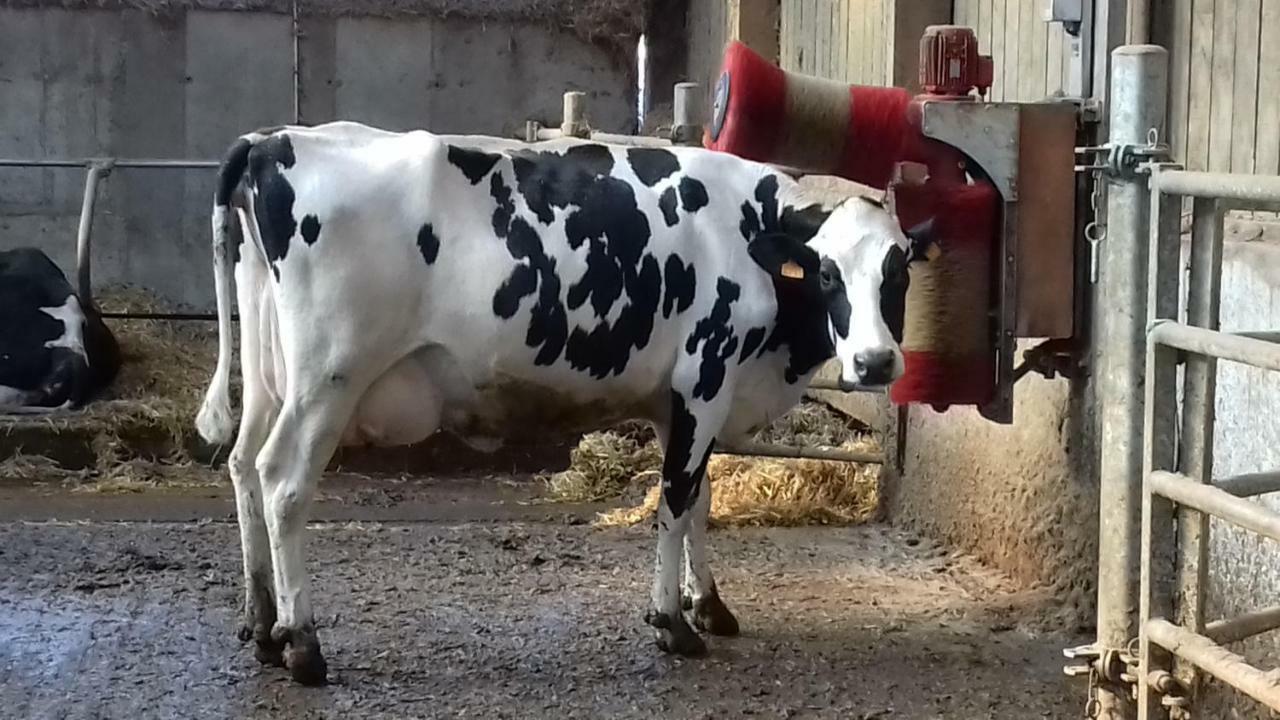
[80, 83]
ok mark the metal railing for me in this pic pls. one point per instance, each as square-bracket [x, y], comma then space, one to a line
[1179, 495]
[97, 169]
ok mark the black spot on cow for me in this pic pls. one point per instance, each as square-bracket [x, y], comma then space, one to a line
[310, 229]
[680, 486]
[602, 214]
[548, 324]
[428, 243]
[274, 207]
[667, 204]
[680, 283]
[652, 164]
[607, 347]
[750, 225]
[751, 342]
[715, 335]
[547, 179]
[767, 195]
[801, 223]
[474, 164]
[832, 283]
[894, 282]
[693, 194]
[506, 209]
[32, 360]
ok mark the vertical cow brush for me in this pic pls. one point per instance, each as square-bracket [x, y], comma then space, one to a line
[870, 135]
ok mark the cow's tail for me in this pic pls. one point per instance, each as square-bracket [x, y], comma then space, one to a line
[215, 422]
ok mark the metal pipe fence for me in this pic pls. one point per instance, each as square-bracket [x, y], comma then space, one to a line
[1179, 493]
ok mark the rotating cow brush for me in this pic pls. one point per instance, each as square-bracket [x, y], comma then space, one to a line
[873, 135]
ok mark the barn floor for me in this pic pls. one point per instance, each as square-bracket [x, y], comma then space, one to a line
[460, 599]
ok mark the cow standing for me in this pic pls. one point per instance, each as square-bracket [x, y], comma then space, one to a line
[392, 284]
[55, 354]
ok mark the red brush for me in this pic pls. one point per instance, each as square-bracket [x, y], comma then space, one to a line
[863, 134]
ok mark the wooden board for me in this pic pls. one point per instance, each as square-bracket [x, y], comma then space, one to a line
[1220, 105]
[1200, 57]
[1267, 153]
[1244, 111]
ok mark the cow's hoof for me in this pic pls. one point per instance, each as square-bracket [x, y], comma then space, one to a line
[302, 654]
[266, 650]
[711, 616]
[675, 636]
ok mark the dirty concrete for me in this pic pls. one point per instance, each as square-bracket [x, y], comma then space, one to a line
[490, 605]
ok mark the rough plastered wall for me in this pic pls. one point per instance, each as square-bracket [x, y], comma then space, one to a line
[180, 81]
[1022, 497]
[1244, 570]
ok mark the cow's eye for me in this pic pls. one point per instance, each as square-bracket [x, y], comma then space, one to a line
[827, 278]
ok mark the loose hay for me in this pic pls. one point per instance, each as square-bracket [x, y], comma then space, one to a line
[604, 465]
[774, 492]
[746, 491]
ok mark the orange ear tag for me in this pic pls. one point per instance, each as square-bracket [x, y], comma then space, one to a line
[791, 270]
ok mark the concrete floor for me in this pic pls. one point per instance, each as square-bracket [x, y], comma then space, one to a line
[487, 606]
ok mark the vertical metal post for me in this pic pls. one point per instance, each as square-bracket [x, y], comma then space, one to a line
[1159, 450]
[574, 121]
[687, 114]
[1204, 294]
[1138, 87]
[84, 234]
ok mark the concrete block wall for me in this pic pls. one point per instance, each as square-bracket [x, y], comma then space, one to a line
[125, 83]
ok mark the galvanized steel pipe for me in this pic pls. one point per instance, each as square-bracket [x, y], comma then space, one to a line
[1227, 186]
[1218, 503]
[1138, 91]
[1221, 345]
[1245, 626]
[1219, 662]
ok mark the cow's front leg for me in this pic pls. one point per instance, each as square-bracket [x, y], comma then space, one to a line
[690, 436]
[290, 464]
[700, 593]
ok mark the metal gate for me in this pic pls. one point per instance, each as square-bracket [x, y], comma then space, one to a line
[1179, 492]
[1156, 475]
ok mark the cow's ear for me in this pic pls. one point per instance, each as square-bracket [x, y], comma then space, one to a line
[784, 257]
[923, 240]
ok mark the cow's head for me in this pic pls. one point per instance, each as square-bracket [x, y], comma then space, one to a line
[851, 264]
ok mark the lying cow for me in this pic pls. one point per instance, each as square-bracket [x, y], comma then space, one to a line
[393, 284]
[55, 354]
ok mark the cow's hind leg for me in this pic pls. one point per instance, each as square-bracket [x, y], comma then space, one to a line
[691, 434]
[257, 415]
[259, 601]
[301, 444]
[701, 595]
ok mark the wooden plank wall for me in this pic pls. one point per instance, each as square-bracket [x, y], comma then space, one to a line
[708, 28]
[845, 40]
[1224, 89]
[1032, 58]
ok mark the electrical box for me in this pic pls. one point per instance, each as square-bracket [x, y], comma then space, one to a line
[1063, 11]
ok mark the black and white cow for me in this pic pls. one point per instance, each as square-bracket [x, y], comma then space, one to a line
[391, 284]
[54, 353]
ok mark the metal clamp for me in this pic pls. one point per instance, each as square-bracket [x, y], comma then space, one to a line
[1125, 160]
